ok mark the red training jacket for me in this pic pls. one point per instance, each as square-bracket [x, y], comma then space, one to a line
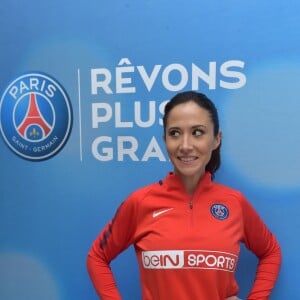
[187, 247]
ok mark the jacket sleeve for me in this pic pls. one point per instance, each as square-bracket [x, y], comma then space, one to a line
[264, 245]
[116, 236]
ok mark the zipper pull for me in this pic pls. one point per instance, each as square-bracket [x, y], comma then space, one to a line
[191, 204]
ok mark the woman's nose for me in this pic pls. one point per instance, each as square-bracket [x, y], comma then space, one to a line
[186, 142]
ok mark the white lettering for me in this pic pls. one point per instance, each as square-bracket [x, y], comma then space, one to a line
[209, 78]
[162, 259]
[107, 153]
[183, 77]
[19, 143]
[45, 146]
[104, 84]
[138, 112]
[96, 118]
[226, 71]
[104, 112]
[50, 90]
[34, 85]
[202, 259]
[173, 77]
[162, 111]
[211, 261]
[153, 150]
[130, 151]
[149, 80]
[121, 80]
[127, 146]
[119, 122]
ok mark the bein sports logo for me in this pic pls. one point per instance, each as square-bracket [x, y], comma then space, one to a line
[35, 116]
[189, 259]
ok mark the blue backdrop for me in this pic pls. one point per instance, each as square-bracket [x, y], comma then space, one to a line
[118, 62]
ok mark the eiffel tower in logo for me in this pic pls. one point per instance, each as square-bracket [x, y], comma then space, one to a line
[35, 119]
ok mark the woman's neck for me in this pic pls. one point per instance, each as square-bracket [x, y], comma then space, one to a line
[190, 183]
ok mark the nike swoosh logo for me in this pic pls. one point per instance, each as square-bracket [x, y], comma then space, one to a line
[160, 212]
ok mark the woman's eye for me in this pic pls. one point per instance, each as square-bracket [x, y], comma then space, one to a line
[198, 132]
[173, 133]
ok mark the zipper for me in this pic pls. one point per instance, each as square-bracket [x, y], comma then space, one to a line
[191, 212]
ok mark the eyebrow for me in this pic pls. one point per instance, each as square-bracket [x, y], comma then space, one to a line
[193, 127]
[200, 125]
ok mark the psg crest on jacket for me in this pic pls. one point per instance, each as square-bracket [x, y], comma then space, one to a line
[219, 211]
[35, 116]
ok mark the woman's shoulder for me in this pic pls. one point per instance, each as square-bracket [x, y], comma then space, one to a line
[145, 190]
[226, 189]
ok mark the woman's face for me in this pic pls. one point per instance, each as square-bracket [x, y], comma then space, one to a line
[190, 140]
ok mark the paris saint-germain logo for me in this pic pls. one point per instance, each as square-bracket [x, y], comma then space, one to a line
[35, 116]
[219, 211]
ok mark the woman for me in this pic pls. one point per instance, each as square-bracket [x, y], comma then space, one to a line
[186, 229]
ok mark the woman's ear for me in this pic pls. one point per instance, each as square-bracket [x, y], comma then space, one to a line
[218, 140]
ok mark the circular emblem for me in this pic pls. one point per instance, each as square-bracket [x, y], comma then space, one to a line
[219, 211]
[35, 116]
